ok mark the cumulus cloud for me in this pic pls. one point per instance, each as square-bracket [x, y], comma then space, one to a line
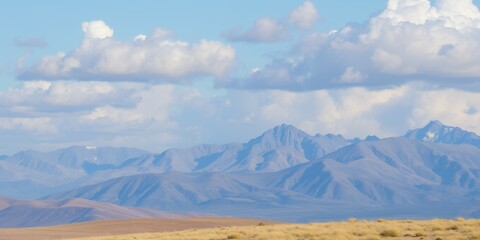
[409, 40]
[97, 30]
[305, 16]
[264, 30]
[147, 58]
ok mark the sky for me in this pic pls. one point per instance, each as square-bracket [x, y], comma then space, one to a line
[162, 74]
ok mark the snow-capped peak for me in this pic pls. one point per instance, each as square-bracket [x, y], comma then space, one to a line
[436, 132]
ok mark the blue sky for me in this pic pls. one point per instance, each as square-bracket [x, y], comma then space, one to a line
[71, 73]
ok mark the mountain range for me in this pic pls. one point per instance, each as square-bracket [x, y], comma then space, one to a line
[283, 174]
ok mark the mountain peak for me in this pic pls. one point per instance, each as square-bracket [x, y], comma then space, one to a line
[437, 132]
[371, 138]
[433, 132]
[281, 135]
[285, 131]
[435, 124]
[282, 128]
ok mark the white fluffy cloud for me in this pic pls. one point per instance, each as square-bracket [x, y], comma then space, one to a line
[409, 40]
[97, 29]
[264, 30]
[305, 16]
[156, 57]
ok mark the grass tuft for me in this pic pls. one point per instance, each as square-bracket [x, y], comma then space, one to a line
[234, 236]
[389, 233]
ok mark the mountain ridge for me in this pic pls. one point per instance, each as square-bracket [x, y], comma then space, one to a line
[387, 173]
[437, 132]
[283, 173]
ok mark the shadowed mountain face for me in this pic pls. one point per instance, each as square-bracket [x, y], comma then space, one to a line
[436, 132]
[16, 213]
[391, 171]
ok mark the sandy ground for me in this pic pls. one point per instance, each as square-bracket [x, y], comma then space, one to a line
[119, 227]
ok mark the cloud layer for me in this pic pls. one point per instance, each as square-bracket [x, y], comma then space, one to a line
[156, 117]
[408, 41]
[148, 58]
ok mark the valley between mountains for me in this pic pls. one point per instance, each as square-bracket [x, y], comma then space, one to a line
[284, 174]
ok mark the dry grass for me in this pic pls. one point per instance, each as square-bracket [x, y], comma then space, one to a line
[353, 229]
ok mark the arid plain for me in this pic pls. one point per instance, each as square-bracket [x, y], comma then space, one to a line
[120, 227]
[349, 230]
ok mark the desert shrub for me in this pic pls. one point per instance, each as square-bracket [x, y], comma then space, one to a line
[359, 234]
[419, 234]
[234, 236]
[436, 228]
[261, 224]
[389, 233]
[454, 227]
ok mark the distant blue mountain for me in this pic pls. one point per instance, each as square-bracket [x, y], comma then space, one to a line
[436, 132]
[29, 173]
[279, 148]
[372, 138]
[385, 174]
[283, 174]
